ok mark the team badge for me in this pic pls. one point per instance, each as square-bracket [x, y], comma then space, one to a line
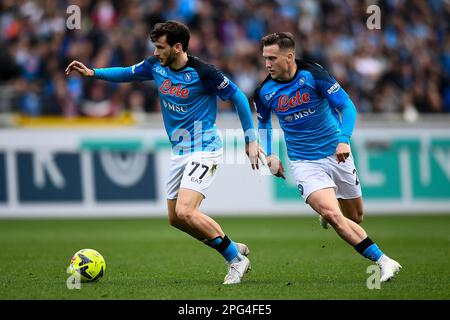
[187, 77]
[300, 188]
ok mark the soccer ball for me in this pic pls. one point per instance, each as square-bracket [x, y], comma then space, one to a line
[88, 264]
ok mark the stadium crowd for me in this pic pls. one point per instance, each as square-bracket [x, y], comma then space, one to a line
[405, 64]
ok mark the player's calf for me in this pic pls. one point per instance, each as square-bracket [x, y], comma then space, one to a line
[333, 217]
[355, 215]
[352, 209]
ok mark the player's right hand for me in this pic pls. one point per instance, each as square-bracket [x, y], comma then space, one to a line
[275, 166]
[252, 150]
[80, 67]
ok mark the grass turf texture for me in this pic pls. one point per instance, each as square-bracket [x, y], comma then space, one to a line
[292, 258]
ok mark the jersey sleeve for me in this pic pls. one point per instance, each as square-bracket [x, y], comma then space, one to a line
[264, 122]
[215, 81]
[349, 113]
[143, 70]
[328, 87]
[138, 72]
[240, 102]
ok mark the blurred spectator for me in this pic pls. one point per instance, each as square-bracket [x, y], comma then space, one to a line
[404, 65]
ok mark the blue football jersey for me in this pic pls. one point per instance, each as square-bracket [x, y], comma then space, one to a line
[306, 107]
[188, 98]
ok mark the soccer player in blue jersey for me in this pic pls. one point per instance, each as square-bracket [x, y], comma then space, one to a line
[188, 90]
[317, 118]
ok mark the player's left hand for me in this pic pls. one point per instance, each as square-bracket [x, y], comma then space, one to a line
[276, 166]
[252, 150]
[342, 152]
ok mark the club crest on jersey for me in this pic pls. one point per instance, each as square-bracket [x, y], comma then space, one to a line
[301, 81]
[187, 76]
[285, 102]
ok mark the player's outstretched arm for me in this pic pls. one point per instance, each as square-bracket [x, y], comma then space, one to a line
[80, 67]
[137, 72]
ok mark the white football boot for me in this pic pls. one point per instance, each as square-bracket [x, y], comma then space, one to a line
[242, 248]
[236, 271]
[389, 268]
[324, 223]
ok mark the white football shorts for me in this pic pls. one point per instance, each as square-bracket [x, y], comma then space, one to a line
[195, 171]
[313, 175]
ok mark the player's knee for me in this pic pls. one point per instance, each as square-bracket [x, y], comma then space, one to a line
[174, 221]
[332, 216]
[358, 217]
[184, 212]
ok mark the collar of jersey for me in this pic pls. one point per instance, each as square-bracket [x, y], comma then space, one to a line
[297, 62]
[183, 67]
[286, 81]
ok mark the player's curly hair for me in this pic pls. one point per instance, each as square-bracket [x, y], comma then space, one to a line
[176, 32]
[285, 40]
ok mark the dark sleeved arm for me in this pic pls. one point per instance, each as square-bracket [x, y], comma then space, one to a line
[336, 96]
[328, 87]
[215, 81]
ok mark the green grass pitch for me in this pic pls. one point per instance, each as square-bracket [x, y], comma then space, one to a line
[292, 258]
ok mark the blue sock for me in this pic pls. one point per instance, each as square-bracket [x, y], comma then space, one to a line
[369, 249]
[225, 247]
